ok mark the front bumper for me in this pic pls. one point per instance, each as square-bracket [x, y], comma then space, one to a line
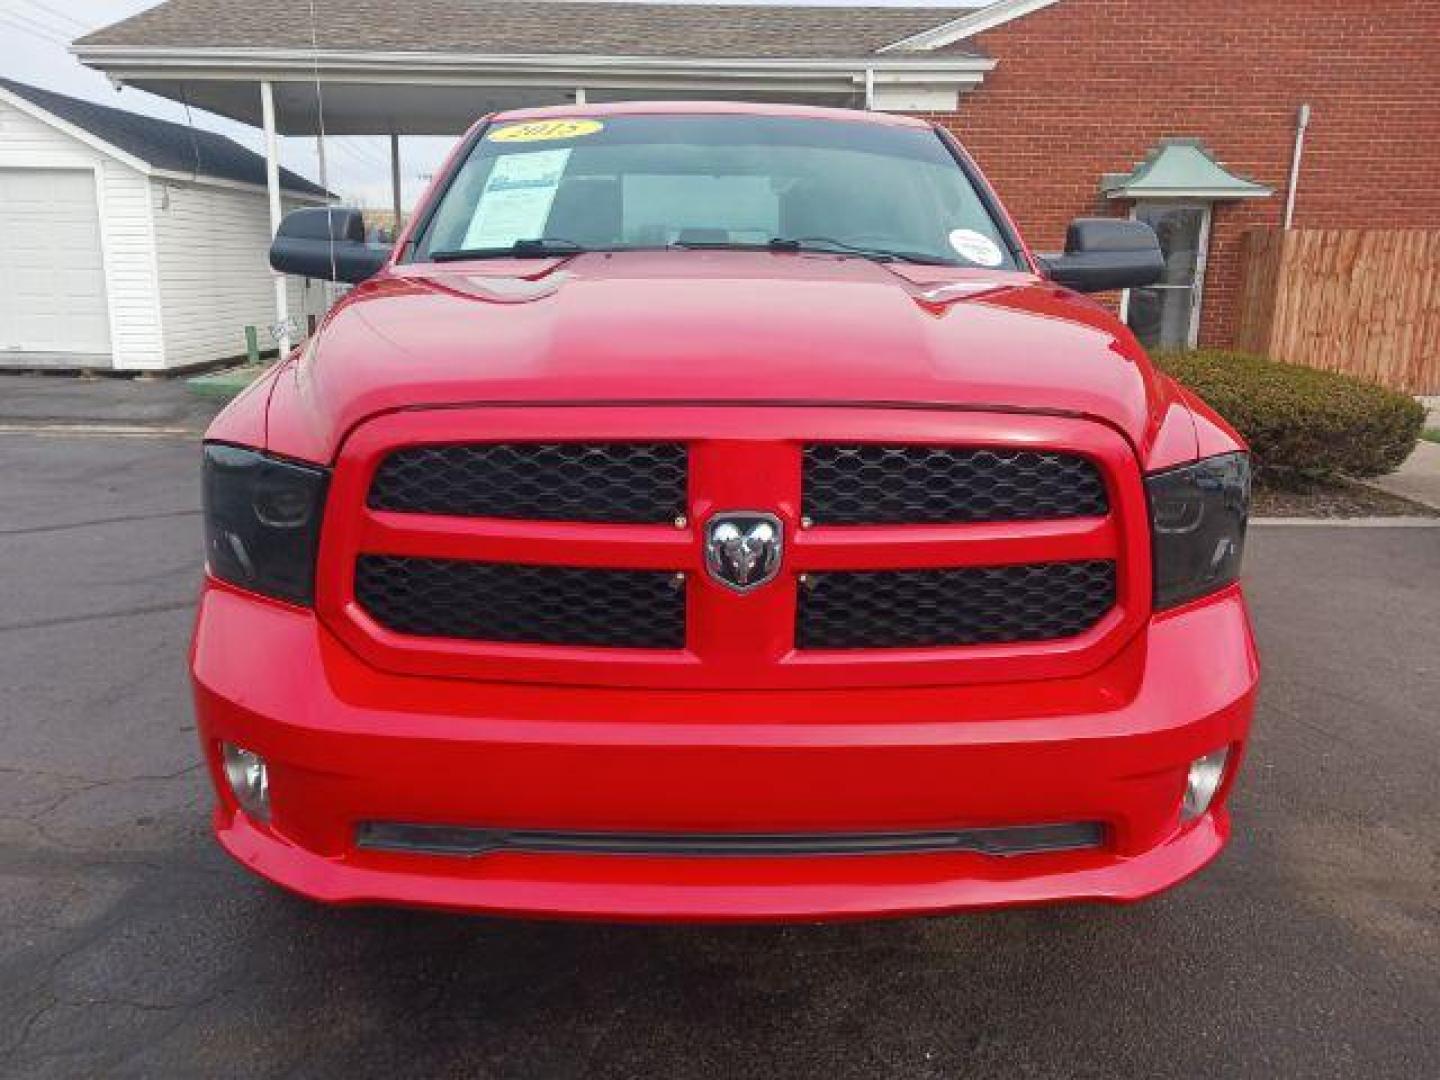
[348, 744]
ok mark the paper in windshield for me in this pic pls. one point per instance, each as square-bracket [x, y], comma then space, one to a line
[516, 201]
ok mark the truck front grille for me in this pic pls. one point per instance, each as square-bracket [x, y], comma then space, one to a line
[537, 605]
[630, 482]
[567, 546]
[981, 605]
[869, 484]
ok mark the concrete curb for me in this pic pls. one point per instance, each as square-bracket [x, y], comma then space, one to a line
[1417, 480]
[1349, 523]
[101, 431]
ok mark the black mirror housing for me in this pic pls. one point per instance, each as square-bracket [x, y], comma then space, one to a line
[326, 242]
[1107, 253]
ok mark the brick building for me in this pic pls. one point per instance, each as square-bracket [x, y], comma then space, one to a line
[1183, 112]
[1083, 88]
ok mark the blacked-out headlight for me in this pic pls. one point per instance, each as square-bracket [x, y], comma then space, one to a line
[1197, 525]
[262, 521]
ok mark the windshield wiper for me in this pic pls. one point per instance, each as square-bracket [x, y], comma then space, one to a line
[540, 248]
[550, 246]
[718, 245]
[816, 243]
[826, 243]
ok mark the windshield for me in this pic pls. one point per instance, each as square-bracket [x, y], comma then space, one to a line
[642, 182]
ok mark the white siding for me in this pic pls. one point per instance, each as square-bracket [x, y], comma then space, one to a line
[127, 241]
[215, 278]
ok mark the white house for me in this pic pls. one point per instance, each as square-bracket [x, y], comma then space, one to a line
[131, 243]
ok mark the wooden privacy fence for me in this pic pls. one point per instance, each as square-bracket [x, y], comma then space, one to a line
[1362, 301]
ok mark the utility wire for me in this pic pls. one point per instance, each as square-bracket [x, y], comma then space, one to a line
[62, 16]
[190, 128]
[365, 155]
[16, 21]
[357, 158]
[38, 24]
[320, 116]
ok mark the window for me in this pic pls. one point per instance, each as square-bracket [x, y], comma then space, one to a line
[640, 182]
[1166, 315]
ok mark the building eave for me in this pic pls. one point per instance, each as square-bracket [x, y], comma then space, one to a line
[428, 87]
[121, 60]
[174, 176]
[967, 26]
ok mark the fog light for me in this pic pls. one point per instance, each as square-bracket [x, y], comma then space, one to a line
[249, 780]
[1202, 783]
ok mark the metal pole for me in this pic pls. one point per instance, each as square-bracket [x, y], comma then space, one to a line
[320, 153]
[1300, 126]
[327, 288]
[395, 178]
[579, 95]
[870, 88]
[272, 187]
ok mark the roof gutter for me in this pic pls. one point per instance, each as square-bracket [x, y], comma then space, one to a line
[173, 176]
[123, 59]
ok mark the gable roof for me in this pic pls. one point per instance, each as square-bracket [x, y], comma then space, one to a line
[529, 27]
[161, 144]
[968, 25]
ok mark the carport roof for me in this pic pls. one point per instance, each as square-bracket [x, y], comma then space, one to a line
[532, 27]
[430, 67]
[167, 146]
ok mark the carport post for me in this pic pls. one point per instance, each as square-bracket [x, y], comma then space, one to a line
[395, 177]
[272, 187]
[327, 288]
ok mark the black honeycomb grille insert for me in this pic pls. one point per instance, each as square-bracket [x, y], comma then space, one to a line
[869, 484]
[539, 605]
[876, 609]
[631, 483]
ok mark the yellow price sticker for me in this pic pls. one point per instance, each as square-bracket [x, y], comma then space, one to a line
[545, 130]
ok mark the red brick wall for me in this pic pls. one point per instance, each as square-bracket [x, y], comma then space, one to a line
[1086, 87]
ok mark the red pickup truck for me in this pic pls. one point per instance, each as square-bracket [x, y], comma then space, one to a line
[718, 512]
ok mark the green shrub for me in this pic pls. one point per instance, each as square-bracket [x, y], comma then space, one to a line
[1303, 420]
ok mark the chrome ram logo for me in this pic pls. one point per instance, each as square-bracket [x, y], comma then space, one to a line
[742, 550]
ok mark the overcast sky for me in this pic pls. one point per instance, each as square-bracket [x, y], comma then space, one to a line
[37, 33]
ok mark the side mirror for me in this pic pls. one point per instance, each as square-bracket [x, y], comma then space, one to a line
[1107, 253]
[326, 242]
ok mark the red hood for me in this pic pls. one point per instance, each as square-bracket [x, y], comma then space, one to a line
[718, 326]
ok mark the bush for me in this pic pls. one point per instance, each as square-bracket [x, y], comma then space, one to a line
[1300, 419]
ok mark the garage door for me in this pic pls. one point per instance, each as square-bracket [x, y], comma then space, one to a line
[52, 283]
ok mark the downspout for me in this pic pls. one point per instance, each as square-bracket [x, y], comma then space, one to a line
[1301, 124]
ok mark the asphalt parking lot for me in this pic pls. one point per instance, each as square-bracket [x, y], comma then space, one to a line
[130, 946]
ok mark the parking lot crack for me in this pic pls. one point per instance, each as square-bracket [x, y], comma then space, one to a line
[120, 613]
[27, 1025]
[118, 519]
